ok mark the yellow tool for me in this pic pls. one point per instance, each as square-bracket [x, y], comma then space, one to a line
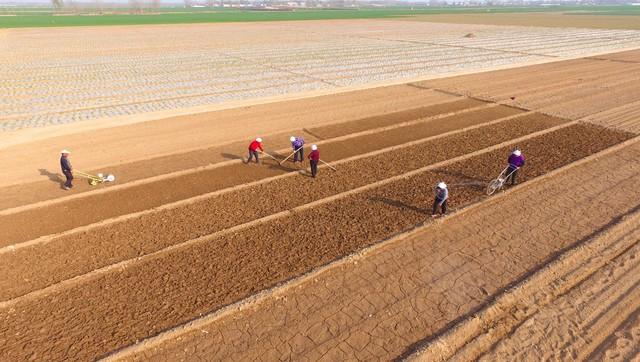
[95, 179]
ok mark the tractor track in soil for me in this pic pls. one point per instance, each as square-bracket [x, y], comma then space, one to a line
[147, 233]
[550, 308]
[145, 298]
[94, 207]
[35, 192]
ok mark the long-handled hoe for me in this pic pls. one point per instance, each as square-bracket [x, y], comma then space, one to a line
[292, 153]
[328, 165]
[264, 153]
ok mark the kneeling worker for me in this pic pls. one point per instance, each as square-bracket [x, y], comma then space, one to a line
[442, 194]
[253, 150]
[314, 158]
[67, 170]
[516, 160]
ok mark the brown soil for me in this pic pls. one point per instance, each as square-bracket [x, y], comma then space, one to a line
[581, 320]
[24, 194]
[626, 117]
[29, 193]
[151, 232]
[458, 285]
[571, 89]
[360, 125]
[172, 288]
[625, 57]
[91, 208]
[555, 20]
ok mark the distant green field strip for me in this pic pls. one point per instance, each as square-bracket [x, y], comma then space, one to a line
[199, 15]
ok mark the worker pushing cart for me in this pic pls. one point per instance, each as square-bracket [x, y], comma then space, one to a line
[516, 161]
[254, 147]
[440, 201]
[67, 169]
[297, 144]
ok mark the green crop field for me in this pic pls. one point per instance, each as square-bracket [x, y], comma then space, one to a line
[43, 17]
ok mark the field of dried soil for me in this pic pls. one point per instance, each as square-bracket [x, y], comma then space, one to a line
[169, 250]
[204, 275]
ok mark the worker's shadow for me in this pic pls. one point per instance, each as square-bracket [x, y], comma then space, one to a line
[466, 180]
[53, 177]
[401, 205]
[231, 156]
[271, 164]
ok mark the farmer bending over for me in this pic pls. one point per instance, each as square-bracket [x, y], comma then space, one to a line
[67, 170]
[297, 144]
[253, 150]
[442, 194]
[516, 160]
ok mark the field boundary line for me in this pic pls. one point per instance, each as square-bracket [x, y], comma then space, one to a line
[47, 238]
[474, 97]
[448, 45]
[553, 279]
[414, 122]
[282, 288]
[213, 166]
[205, 238]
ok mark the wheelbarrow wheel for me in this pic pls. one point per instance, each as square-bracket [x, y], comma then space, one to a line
[494, 185]
[93, 182]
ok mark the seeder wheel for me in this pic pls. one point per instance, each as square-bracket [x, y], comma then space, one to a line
[494, 185]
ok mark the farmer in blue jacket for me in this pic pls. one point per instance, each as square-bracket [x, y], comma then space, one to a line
[67, 170]
[297, 144]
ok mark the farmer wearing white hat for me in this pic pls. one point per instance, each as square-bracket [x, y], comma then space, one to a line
[516, 160]
[253, 150]
[297, 144]
[442, 194]
[67, 170]
[314, 158]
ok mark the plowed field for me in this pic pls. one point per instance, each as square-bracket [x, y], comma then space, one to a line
[72, 213]
[153, 231]
[174, 287]
[195, 237]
